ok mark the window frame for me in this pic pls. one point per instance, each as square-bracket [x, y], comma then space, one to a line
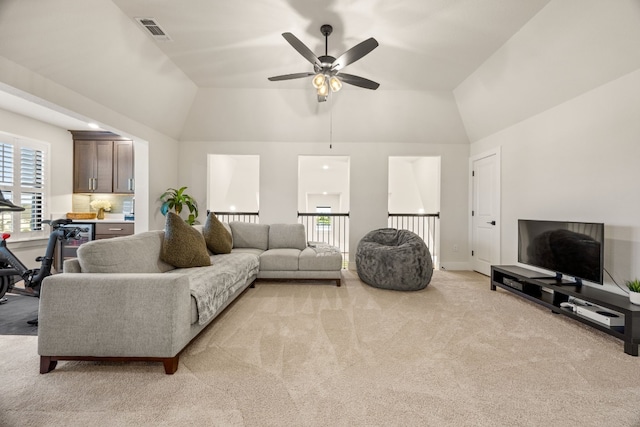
[14, 191]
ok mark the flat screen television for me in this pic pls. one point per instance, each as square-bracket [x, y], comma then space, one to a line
[573, 249]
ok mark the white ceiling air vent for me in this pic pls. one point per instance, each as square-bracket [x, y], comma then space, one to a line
[154, 29]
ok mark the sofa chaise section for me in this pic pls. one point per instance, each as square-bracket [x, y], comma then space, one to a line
[285, 253]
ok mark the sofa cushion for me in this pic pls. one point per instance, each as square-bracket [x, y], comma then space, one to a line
[282, 236]
[212, 286]
[250, 235]
[320, 258]
[183, 245]
[252, 251]
[279, 260]
[216, 235]
[138, 253]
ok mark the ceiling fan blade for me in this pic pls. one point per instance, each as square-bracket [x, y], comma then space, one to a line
[358, 81]
[290, 76]
[302, 49]
[355, 53]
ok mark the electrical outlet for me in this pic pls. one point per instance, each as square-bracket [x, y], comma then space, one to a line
[455, 248]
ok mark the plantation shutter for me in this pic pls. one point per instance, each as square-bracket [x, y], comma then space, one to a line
[23, 166]
[32, 186]
[6, 179]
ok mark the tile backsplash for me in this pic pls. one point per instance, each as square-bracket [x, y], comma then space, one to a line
[81, 202]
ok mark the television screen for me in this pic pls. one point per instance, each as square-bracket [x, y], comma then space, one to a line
[574, 249]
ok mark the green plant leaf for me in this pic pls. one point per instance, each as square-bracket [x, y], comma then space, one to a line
[173, 199]
[633, 285]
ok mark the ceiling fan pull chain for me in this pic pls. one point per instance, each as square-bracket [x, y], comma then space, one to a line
[331, 129]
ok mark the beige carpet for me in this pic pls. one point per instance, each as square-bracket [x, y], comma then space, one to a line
[286, 354]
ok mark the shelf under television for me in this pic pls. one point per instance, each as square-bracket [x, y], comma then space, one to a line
[547, 292]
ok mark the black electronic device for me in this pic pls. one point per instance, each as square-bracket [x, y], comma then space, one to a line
[522, 286]
[568, 248]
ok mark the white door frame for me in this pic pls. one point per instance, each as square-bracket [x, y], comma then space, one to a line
[497, 236]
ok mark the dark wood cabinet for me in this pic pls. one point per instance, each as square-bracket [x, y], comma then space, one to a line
[113, 229]
[93, 167]
[102, 163]
[123, 167]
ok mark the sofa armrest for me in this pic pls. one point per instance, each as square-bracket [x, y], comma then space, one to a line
[71, 266]
[114, 315]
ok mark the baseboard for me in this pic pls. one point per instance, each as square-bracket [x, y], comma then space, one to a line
[462, 266]
[455, 266]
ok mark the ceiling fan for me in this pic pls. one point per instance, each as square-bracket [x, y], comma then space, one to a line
[327, 69]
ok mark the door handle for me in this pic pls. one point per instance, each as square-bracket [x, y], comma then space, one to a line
[491, 222]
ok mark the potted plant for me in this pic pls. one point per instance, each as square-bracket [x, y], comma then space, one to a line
[634, 291]
[173, 199]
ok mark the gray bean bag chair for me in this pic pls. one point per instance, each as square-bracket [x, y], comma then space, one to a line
[394, 259]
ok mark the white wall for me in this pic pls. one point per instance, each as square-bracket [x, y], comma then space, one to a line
[404, 194]
[314, 180]
[568, 48]
[127, 87]
[577, 161]
[427, 172]
[60, 176]
[414, 184]
[147, 99]
[355, 115]
[368, 126]
[124, 72]
[331, 201]
[60, 143]
[156, 153]
[575, 156]
[368, 180]
[233, 182]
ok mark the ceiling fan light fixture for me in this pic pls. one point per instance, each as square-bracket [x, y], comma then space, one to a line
[318, 80]
[335, 84]
[324, 89]
[326, 67]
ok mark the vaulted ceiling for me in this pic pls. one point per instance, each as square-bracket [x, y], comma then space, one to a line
[424, 44]
[97, 49]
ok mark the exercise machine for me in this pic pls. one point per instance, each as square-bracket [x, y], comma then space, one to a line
[12, 270]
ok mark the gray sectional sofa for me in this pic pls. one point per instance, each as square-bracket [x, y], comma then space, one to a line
[285, 253]
[119, 301]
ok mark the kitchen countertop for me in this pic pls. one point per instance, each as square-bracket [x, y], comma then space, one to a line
[108, 218]
[102, 221]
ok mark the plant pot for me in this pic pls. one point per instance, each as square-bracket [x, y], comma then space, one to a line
[100, 213]
[634, 297]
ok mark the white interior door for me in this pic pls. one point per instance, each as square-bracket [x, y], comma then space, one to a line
[485, 215]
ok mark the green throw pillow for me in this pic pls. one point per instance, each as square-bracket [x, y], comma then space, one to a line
[216, 235]
[183, 245]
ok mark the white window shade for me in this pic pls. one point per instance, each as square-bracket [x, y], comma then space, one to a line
[23, 181]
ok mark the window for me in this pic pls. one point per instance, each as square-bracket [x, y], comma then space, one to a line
[22, 181]
[323, 222]
[234, 185]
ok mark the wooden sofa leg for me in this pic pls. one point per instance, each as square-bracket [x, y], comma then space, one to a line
[338, 282]
[171, 365]
[47, 364]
